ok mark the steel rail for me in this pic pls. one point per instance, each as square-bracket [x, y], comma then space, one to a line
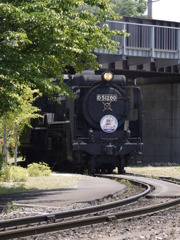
[88, 221]
[170, 179]
[52, 217]
[163, 178]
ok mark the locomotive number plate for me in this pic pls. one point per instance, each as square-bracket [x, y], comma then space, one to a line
[106, 97]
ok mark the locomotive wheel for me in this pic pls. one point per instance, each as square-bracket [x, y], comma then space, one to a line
[107, 169]
[98, 170]
[110, 170]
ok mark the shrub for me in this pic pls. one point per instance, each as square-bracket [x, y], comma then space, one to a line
[19, 174]
[14, 173]
[38, 169]
[5, 173]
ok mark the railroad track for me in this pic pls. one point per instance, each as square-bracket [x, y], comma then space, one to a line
[163, 178]
[59, 221]
[167, 179]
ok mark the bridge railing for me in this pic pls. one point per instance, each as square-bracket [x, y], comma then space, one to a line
[152, 40]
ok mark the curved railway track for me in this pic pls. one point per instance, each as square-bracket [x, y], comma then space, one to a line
[167, 179]
[57, 222]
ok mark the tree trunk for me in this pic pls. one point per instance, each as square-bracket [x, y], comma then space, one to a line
[5, 144]
[15, 153]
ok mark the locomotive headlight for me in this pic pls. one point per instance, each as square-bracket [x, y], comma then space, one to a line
[107, 76]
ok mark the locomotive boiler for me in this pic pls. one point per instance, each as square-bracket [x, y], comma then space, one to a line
[98, 130]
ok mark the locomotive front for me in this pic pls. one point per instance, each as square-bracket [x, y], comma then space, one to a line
[107, 122]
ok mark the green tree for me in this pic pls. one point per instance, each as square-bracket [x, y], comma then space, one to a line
[13, 123]
[131, 8]
[41, 39]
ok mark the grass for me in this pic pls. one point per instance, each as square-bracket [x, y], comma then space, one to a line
[54, 181]
[173, 171]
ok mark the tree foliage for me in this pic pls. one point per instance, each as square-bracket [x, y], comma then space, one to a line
[131, 8]
[21, 116]
[41, 39]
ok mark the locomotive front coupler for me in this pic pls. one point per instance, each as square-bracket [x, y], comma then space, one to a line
[110, 149]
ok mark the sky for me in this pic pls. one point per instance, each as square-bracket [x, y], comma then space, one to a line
[166, 10]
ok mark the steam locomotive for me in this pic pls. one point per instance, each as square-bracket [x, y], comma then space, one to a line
[98, 130]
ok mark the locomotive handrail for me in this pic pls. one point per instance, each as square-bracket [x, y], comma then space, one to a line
[59, 122]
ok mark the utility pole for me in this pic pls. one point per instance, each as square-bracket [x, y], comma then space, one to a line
[150, 7]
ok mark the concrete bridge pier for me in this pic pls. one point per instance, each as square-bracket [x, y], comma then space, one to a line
[161, 124]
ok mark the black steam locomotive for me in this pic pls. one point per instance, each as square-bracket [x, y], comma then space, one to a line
[97, 130]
